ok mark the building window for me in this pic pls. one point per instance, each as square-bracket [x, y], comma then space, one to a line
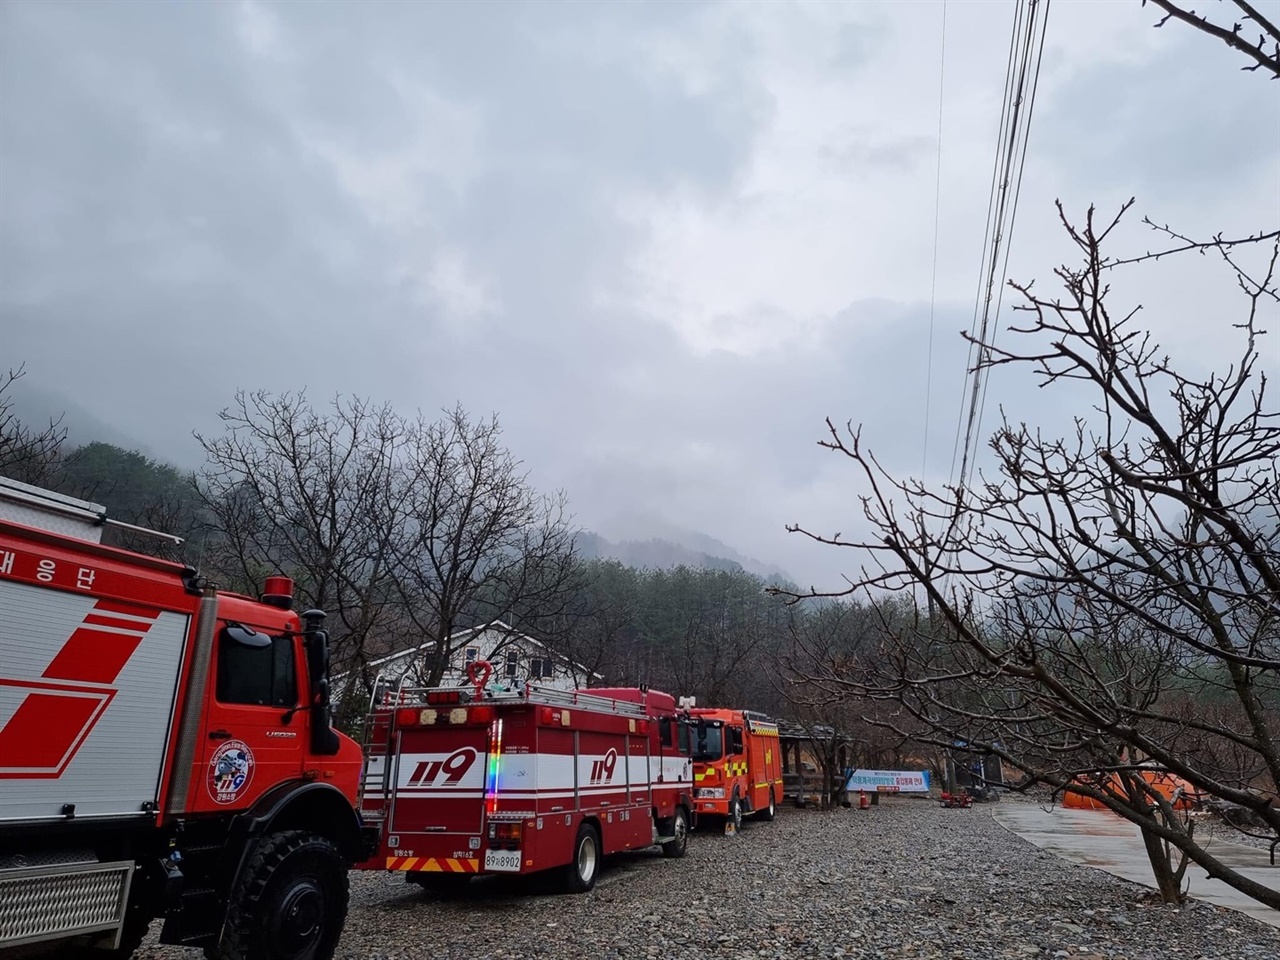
[513, 663]
[541, 669]
[471, 654]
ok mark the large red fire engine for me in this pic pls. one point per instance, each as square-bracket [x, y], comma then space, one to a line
[737, 764]
[475, 780]
[165, 751]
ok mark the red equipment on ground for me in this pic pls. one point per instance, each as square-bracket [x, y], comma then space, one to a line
[468, 780]
[961, 798]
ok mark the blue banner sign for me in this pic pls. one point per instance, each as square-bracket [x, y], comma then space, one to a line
[889, 781]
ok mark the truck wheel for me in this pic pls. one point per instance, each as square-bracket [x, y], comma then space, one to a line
[679, 843]
[767, 813]
[735, 814]
[289, 904]
[580, 875]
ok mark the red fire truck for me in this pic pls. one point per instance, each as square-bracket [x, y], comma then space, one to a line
[165, 751]
[472, 780]
[737, 764]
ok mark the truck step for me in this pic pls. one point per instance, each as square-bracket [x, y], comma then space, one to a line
[201, 849]
[197, 922]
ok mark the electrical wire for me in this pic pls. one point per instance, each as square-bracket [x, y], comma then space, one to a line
[1017, 193]
[1010, 163]
[937, 217]
[987, 226]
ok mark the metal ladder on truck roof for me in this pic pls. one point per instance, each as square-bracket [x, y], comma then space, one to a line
[530, 693]
[385, 697]
[58, 513]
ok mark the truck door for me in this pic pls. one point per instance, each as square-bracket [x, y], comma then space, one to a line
[252, 742]
[438, 783]
[758, 767]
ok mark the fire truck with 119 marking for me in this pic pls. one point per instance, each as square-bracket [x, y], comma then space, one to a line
[471, 780]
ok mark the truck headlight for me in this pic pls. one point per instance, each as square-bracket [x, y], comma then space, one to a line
[711, 793]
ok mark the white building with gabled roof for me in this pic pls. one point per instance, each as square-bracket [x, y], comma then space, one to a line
[516, 658]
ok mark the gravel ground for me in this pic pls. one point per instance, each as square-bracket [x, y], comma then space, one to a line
[905, 879]
[1211, 827]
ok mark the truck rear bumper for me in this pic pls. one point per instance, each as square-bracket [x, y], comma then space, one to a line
[52, 901]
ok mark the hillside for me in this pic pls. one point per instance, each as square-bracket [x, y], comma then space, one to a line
[657, 553]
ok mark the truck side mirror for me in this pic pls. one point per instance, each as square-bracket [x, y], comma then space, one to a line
[324, 741]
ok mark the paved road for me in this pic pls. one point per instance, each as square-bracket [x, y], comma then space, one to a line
[1098, 838]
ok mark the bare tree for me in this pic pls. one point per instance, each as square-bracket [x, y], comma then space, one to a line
[478, 543]
[1268, 34]
[28, 454]
[828, 651]
[590, 631]
[316, 494]
[1089, 601]
[1106, 611]
[719, 623]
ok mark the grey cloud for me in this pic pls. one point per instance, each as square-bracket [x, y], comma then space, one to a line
[1185, 122]
[178, 224]
[864, 148]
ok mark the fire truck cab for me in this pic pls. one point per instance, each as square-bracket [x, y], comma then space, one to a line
[737, 764]
[165, 752]
[468, 781]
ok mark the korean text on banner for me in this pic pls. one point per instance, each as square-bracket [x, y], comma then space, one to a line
[889, 781]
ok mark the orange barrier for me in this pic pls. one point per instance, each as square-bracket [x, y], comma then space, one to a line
[1182, 794]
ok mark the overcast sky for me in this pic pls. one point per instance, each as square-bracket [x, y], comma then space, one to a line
[662, 241]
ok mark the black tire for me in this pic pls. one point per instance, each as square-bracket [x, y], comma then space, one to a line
[768, 812]
[290, 902]
[580, 874]
[677, 846]
[735, 813]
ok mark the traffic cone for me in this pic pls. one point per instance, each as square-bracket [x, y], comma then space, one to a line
[863, 802]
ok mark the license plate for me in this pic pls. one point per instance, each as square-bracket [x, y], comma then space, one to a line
[502, 861]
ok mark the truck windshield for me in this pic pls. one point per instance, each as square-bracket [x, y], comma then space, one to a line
[708, 742]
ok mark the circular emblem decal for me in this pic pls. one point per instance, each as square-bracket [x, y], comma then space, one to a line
[230, 771]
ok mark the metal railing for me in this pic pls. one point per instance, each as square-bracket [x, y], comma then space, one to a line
[531, 693]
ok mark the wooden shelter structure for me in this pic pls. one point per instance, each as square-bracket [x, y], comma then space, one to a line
[815, 763]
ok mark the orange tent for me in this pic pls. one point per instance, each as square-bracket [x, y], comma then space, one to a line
[1182, 794]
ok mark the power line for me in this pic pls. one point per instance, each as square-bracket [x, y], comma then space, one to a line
[1020, 98]
[987, 229]
[1017, 193]
[937, 212]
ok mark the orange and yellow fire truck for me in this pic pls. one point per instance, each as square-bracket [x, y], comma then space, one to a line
[474, 780]
[737, 764]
